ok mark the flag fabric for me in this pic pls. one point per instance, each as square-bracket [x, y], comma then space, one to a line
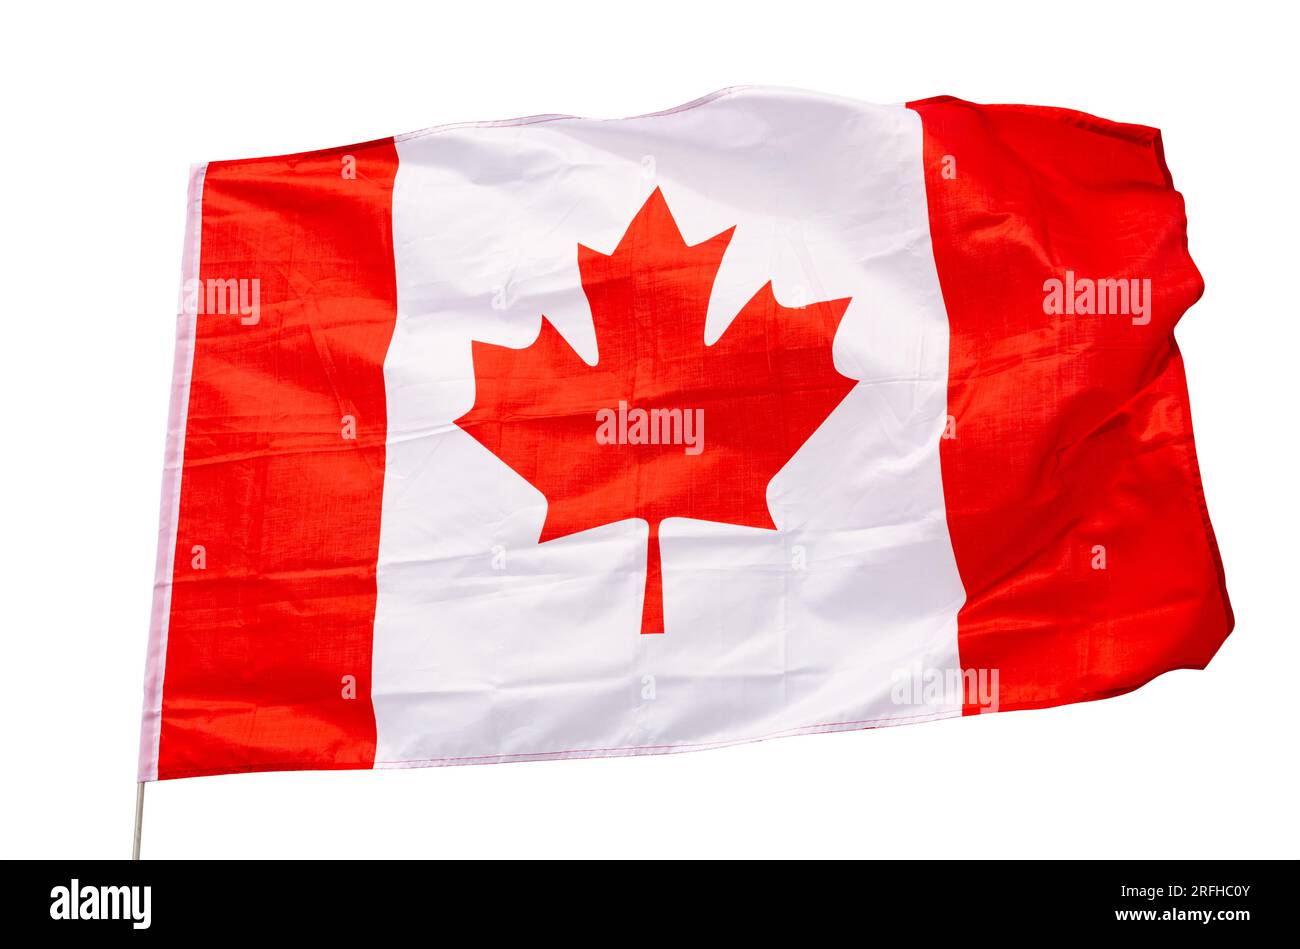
[774, 413]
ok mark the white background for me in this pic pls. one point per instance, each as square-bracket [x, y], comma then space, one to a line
[105, 109]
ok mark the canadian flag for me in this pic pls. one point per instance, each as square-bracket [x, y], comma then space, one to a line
[770, 414]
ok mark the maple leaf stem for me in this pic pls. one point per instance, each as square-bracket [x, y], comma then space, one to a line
[652, 607]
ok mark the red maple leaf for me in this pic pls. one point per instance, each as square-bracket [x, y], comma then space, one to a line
[759, 392]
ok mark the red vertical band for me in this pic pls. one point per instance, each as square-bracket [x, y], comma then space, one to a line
[273, 600]
[1073, 494]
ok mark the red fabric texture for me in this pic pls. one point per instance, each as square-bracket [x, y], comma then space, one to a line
[1071, 434]
[284, 505]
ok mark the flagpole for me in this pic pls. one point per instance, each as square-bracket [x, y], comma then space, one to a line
[139, 819]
